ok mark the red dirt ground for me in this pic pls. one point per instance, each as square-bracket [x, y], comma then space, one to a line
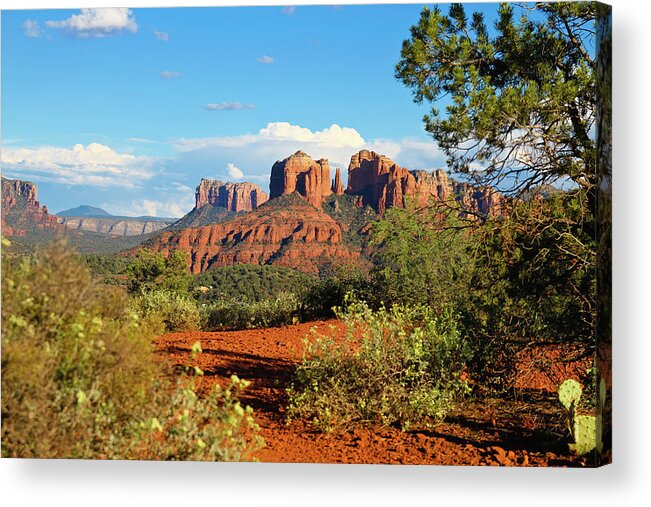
[525, 432]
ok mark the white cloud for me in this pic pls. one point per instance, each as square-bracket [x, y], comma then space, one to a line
[154, 208]
[267, 60]
[95, 165]
[32, 28]
[98, 22]
[234, 171]
[228, 106]
[289, 10]
[170, 74]
[164, 36]
[177, 201]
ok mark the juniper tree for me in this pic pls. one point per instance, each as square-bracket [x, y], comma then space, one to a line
[521, 97]
[514, 106]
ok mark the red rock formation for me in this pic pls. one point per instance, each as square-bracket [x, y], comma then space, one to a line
[337, 185]
[299, 173]
[21, 211]
[381, 183]
[483, 200]
[232, 196]
[293, 235]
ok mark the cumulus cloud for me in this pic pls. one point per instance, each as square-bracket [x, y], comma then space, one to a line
[234, 172]
[152, 208]
[32, 28]
[267, 60]
[167, 199]
[228, 106]
[95, 165]
[98, 22]
[289, 10]
[164, 36]
[170, 74]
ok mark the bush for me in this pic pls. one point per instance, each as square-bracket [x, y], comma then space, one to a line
[419, 257]
[235, 314]
[249, 282]
[175, 312]
[321, 298]
[400, 366]
[80, 378]
[151, 271]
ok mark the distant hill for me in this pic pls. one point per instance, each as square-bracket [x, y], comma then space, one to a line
[84, 211]
[87, 211]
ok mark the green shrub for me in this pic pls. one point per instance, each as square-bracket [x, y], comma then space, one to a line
[189, 428]
[80, 378]
[175, 312]
[400, 366]
[249, 282]
[320, 299]
[150, 271]
[235, 314]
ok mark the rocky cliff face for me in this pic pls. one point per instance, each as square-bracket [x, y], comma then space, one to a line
[21, 210]
[299, 173]
[381, 183]
[232, 196]
[290, 234]
[114, 226]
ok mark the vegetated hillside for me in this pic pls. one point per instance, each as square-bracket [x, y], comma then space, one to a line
[80, 241]
[250, 282]
[285, 231]
[352, 218]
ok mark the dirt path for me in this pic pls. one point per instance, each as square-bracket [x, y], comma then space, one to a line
[495, 433]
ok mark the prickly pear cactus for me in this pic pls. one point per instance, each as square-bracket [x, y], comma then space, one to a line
[585, 434]
[569, 394]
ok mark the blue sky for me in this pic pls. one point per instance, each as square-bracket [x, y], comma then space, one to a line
[128, 109]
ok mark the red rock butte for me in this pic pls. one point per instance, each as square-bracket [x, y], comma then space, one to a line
[300, 173]
[381, 183]
[232, 196]
[21, 210]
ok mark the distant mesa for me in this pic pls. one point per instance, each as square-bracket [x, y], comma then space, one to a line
[234, 197]
[300, 173]
[92, 219]
[115, 226]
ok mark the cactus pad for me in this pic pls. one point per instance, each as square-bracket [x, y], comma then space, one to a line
[569, 393]
[585, 434]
